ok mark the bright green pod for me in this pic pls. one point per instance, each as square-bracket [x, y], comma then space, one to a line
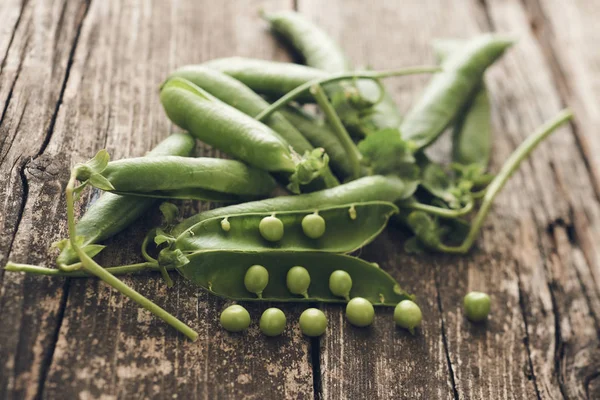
[236, 94]
[371, 188]
[272, 78]
[233, 92]
[201, 178]
[343, 234]
[222, 272]
[449, 91]
[112, 213]
[314, 44]
[224, 127]
[472, 133]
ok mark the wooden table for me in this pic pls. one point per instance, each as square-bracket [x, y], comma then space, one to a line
[78, 76]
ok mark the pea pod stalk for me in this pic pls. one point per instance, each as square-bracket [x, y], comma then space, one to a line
[93, 268]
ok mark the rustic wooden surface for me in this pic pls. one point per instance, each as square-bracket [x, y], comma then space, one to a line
[77, 76]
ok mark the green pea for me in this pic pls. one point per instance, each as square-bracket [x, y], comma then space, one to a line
[340, 283]
[225, 224]
[298, 280]
[360, 312]
[352, 212]
[408, 315]
[256, 279]
[271, 228]
[235, 318]
[272, 322]
[313, 226]
[477, 306]
[313, 322]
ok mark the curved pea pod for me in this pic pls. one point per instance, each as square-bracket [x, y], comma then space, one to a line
[371, 188]
[472, 133]
[343, 234]
[112, 213]
[450, 90]
[315, 45]
[320, 134]
[233, 92]
[236, 94]
[272, 78]
[174, 177]
[222, 274]
[237, 134]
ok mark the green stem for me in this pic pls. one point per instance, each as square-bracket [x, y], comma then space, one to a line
[509, 167]
[438, 211]
[352, 152]
[302, 89]
[120, 270]
[92, 267]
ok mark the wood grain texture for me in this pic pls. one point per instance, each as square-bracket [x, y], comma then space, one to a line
[103, 345]
[40, 50]
[522, 351]
[79, 76]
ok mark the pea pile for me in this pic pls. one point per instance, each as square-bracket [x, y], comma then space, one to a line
[349, 168]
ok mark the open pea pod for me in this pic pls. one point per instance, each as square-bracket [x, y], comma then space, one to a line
[222, 273]
[348, 228]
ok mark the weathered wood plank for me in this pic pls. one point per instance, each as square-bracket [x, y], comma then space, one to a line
[567, 219]
[493, 362]
[107, 347]
[33, 72]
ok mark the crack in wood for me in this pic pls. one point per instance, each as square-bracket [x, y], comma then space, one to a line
[315, 359]
[47, 361]
[444, 335]
[531, 370]
[10, 41]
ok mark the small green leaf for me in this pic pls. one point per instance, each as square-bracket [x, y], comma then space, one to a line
[99, 162]
[162, 237]
[99, 181]
[308, 168]
[169, 211]
[387, 153]
[168, 258]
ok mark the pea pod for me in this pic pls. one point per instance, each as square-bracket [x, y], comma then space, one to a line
[237, 134]
[315, 45]
[236, 94]
[450, 90]
[320, 51]
[112, 213]
[174, 177]
[222, 273]
[370, 188]
[472, 133]
[271, 78]
[342, 233]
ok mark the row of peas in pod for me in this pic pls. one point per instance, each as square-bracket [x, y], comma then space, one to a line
[347, 169]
